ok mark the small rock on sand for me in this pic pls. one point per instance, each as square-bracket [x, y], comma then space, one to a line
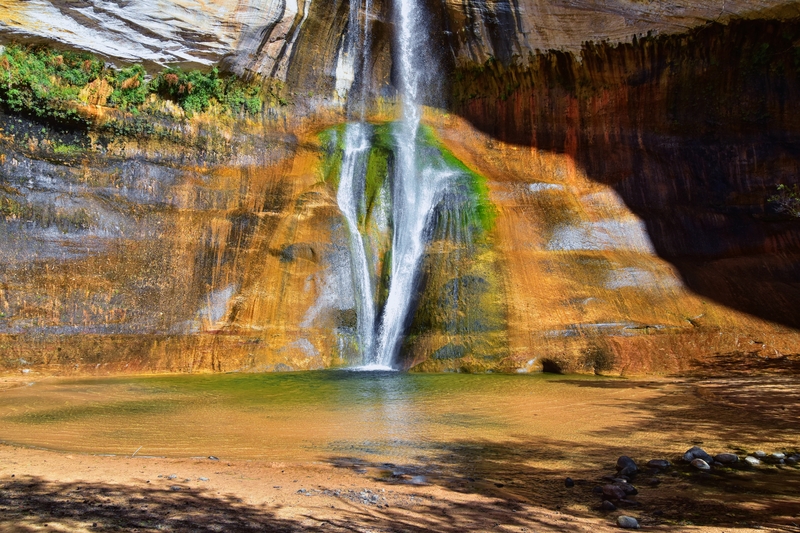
[613, 492]
[569, 483]
[696, 452]
[626, 466]
[752, 461]
[701, 465]
[627, 522]
[726, 458]
[608, 506]
[661, 464]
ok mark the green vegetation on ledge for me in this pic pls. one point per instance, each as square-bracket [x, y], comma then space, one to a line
[54, 85]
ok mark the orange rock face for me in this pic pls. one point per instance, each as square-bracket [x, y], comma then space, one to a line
[630, 232]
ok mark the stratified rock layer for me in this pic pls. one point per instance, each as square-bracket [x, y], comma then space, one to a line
[631, 230]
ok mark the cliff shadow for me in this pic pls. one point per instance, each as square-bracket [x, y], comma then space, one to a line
[693, 131]
[524, 473]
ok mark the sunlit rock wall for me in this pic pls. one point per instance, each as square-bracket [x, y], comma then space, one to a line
[630, 182]
[300, 40]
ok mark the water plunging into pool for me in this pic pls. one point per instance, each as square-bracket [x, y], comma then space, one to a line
[416, 188]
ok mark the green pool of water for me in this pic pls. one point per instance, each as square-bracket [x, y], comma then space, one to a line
[290, 416]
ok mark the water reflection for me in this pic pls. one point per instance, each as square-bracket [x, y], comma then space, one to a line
[303, 416]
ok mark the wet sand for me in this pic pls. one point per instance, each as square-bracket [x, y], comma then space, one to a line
[477, 483]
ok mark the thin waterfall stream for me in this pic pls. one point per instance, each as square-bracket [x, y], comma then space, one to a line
[416, 184]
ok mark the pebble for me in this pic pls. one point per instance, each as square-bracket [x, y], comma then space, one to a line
[701, 465]
[661, 464]
[608, 506]
[654, 481]
[696, 452]
[760, 454]
[627, 522]
[172, 476]
[726, 458]
[791, 460]
[569, 483]
[752, 461]
[202, 479]
[629, 490]
[213, 458]
[176, 488]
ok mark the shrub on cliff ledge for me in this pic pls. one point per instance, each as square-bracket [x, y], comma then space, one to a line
[787, 200]
[53, 85]
[193, 90]
[45, 83]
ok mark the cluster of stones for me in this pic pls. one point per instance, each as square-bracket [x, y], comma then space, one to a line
[618, 490]
[701, 460]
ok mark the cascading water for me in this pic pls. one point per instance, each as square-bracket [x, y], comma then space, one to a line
[416, 188]
[417, 184]
[356, 151]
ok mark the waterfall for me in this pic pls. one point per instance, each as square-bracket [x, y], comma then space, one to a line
[354, 159]
[416, 188]
[418, 184]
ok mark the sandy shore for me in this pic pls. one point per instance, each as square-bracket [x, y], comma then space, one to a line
[757, 400]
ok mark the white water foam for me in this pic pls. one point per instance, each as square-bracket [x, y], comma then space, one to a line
[373, 367]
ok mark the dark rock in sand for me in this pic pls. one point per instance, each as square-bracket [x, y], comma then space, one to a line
[628, 489]
[629, 503]
[598, 489]
[569, 483]
[654, 481]
[608, 506]
[701, 465]
[661, 464]
[627, 522]
[626, 466]
[696, 452]
[726, 458]
[613, 492]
